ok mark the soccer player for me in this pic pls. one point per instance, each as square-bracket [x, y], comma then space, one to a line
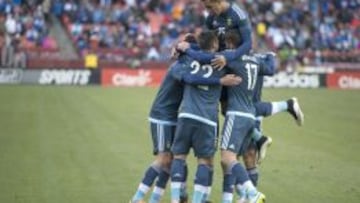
[163, 119]
[240, 122]
[224, 16]
[197, 127]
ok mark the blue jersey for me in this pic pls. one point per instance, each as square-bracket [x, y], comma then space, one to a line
[258, 89]
[234, 18]
[168, 99]
[200, 102]
[269, 60]
[169, 96]
[248, 67]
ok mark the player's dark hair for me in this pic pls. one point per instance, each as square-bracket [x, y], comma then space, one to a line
[233, 37]
[190, 38]
[206, 40]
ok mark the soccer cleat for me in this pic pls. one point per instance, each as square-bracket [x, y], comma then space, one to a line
[184, 199]
[241, 200]
[262, 145]
[139, 201]
[295, 110]
[258, 198]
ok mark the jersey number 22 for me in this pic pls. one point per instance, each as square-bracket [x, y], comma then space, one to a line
[196, 66]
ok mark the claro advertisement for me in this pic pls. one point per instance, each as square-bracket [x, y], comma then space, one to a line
[343, 80]
[132, 78]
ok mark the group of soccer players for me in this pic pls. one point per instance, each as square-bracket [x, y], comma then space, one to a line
[184, 114]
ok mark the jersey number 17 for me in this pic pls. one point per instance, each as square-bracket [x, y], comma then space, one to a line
[252, 72]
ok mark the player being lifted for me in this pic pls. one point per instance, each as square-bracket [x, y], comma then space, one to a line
[197, 127]
[163, 119]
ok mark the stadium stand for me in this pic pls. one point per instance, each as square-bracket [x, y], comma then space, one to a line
[24, 29]
[133, 32]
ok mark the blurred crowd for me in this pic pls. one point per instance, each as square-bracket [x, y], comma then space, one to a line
[301, 31]
[23, 26]
[145, 29]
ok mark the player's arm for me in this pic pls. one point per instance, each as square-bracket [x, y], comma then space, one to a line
[194, 52]
[227, 80]
[199, 55]
[180, 72]
[268, 65]
[220, 59]
[206, 57]
[244, 48]
[244, 28]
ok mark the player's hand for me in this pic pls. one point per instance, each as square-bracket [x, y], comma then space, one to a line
[270, 53]
[230, 80]
[218, 62]
[174, 53]
[182, 46]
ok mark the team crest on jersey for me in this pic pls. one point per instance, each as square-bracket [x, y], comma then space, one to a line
[221, 30]
[215, 23]
[229, 22]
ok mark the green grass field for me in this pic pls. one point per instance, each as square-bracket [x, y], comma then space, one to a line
[91, 145]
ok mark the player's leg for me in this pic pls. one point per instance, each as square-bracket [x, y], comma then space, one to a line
[162, 136]
[202, 180]
[291, 106]
[261, 141]
[162, 179]
[204, 145]
[166, 158]
[250, 160]
[178, 177]
[180, 148]
[249, 151]
[231, 143]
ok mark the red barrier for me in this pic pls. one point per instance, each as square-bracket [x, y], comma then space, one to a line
[343, 80]
[132, 78]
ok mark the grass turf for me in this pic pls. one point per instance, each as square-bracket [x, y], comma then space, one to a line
[90, 144]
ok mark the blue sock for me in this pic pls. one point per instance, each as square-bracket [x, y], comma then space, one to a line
[208, 191]
[243, 184]
[258, 123]
[228, 188]
[183, 192]
[239, 172]
[278, 107]
[159, 187]
[263, 109]
[150, 175]
[256, 134]
[201, 183]
[162, 179]
[156, 195]
[253, 175]
[177, 178]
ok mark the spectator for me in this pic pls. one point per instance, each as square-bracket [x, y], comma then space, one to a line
[7, 52]
[19, 57]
